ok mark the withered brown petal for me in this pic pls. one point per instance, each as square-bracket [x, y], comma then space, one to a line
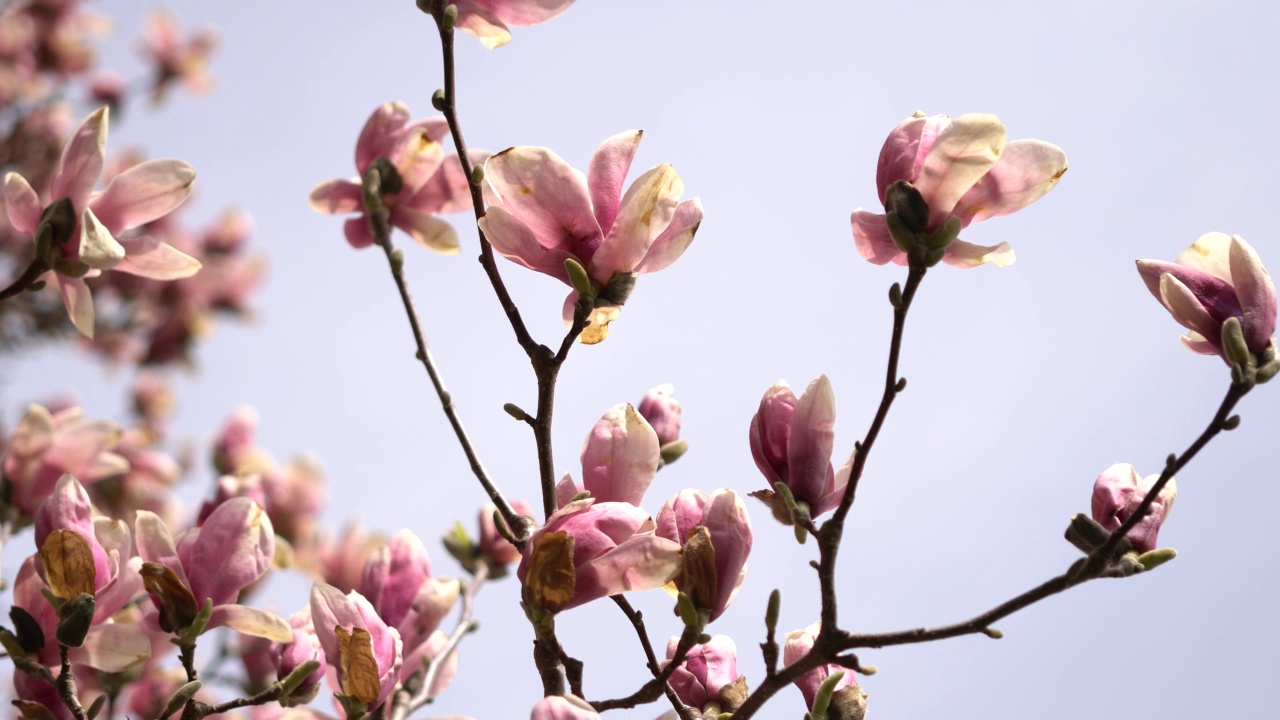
[359, 669]
[68, 564]
[733, 695]
[698, 573]
[178, 607]
[549, 583]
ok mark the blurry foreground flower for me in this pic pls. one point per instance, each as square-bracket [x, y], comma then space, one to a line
[964, 171]
[79, 234]
[542, 213]
[1219, 277]
[1117, 493]
[418, 181]
[177, 59]
[488, 19]
[44, 446]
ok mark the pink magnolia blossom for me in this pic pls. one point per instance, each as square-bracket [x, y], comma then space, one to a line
[215, 561]
[619, 459]
[799, 643]
[430, 183]
[488, 19]
[392, 575]
[1117, 493]
[176, 59]
[724, 515]
[235, 448]
[563, 707]
[791, 441]
[662, 411]
[614, 550]
[705, 671]
[96, 222]
[1218, 277]
[543, 212]
[331, 610]
[45, 446]
[963, 168]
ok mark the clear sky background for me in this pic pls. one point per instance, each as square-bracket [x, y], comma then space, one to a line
[1025, 382]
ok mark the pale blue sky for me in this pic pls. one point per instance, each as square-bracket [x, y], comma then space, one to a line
[1025, 382]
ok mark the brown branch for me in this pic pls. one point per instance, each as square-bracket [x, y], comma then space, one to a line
[37, 268]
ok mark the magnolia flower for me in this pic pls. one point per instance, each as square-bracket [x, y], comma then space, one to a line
[427, 183]
[1218, 277]
[210, 563]
[78, 234]
[488, 19]
[791, 441]
[177, 60]
[848, 701]
[543, 212]
[45, 446]
[712, 582]
[619, 459]
[563, 707]
[589, 550]
[962, 169]
[359, 646]
[1117, 493]
[709, 674]
[663, 413]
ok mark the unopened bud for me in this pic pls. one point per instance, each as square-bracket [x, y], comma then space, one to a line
[895, 295]
[771, 611]
[397, 260]
[673, 451]
[1155, 558]
[181, 697]
[992, 633]
[477, 174]
[579, 279]
[449, 17]
[1231, 423]
[437, 99]
[516, 412]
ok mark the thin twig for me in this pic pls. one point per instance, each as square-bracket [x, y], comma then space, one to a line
[37, 268]
[67, 687]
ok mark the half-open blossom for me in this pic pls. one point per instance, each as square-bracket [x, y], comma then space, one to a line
[83, 236]
[428, 183]
[791, 441]
[1117, 493]
[589, 550]
[177, 59]
[210, 563]
[304, 648]
[362, 649]
[488, 19]
[563, 707]
[662, 411]
[619, 459]
[1218, 277]
[963, 168]
[706, 671]
[44, 446]
[848, 701]
[543, 212]
[723, 515]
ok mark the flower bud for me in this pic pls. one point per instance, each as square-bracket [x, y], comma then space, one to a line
[663, 413]
[1117, 493]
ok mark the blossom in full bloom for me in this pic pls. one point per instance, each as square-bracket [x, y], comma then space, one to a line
[712, 582]
[542, 212]
[963, 169]
[1117, 493]
[1219, 277]
[488, 19]
[426, 183]
[791, 441]
[80, 232]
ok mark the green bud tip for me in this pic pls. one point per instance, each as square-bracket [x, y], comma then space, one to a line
[772, 609]
[477, 175]
[437, 99]
[579, 279]
[450, 17]
[397, 260]
[992, 633]
[516, 412]
[181, 696]
[868, 669]
[1155, 558]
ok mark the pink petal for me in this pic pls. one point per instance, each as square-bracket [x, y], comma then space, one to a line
[1027, 169]
[34, 432]
[416, 156]
[516, 242]
[967, 255]
[647, 209]
[143, 193]
[608, 171]
[643, 562]
[449, 190]
[811, 440]
[82, 161]
[1256, 292]
[428, 231]
[148, 257]
[525, 12]
[235, 547]
[671, 244]
[563, 707]
[113, 647]
[380, 133]
[964, 152]
[79, 304]
[21, 204]
[905, 149]
[337, 197]
[155, 543]
[540, 189]
[565, 490]
[620, 457]
[357, 232]
[393, 574]
[875, 244]
[252, 621]
[482, 24]
[1186, 308]
[1210, 253]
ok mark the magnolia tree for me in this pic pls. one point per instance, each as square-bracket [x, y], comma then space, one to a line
[125, 603]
